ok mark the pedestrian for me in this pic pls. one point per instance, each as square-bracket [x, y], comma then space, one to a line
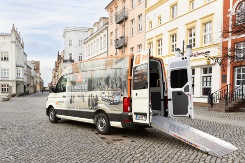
[42, 90]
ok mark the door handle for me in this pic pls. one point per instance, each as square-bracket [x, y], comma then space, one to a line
[64, 96]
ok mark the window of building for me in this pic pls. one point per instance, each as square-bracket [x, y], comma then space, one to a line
[132, 27]
[4, 88]
[206, 80]
[18, 74]
[193, 80]
[123, 52]
[191, 37]
[132, 3]
[80, 56]
[123, 29]
[132, 50]
[70, 56]
[111, 16]
[150, 25]
[4, 56]
[192, 5]
[4, 73]
[159, 20]
[140, 22]
[104, 41]
[70, 42]
[89, 50]
[207, 33]
[97, 45]
[240, 13]
[174, 11]
[173, 42]
[150, 48]
[116, 34]
[92, 49]
[139, 47]
[111, 38]
[94, 46]
[159, 47]
[239, 76]
[80, 42]
[240, 51]
[100, 43]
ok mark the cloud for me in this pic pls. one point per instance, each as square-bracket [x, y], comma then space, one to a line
[41, 24]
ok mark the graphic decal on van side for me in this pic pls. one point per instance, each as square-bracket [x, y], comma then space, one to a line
[97, 84]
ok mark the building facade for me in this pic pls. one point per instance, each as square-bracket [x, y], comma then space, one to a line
[33, 86]
[13, 61]
[126, 31]
[233, 45]
[176, 23]
[96, 42]
[58, 68]
[73, 44]
[39, 80]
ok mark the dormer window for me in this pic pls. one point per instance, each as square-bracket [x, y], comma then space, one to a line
[240, 14]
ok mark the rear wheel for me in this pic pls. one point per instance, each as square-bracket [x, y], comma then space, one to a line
[102, 124]
[52, 115]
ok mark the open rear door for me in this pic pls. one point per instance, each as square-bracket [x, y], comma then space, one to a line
[180, 98]
[140, 88]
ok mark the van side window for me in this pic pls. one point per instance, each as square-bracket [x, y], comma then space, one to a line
[61, 85]
[179, 78]
[140, 79]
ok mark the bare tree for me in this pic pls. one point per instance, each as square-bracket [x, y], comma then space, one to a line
[234, 55]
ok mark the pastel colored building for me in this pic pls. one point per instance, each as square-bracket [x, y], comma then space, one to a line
[13, 64]
[126, 32]
[96, 42]
[172, 24]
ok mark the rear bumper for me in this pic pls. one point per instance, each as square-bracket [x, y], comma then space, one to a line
[127, 121]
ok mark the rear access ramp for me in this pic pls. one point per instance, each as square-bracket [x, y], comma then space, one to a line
[196, 138]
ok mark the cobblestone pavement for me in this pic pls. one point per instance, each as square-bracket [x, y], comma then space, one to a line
[26, 135]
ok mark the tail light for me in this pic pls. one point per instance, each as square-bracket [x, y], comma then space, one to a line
[126, 104]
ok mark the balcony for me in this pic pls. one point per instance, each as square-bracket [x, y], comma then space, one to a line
[68, 61]
[120, 42]
[121, 16]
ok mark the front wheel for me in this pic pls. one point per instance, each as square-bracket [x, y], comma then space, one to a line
[52, 115]
[102, 124]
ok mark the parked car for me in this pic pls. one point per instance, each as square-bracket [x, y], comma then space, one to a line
[115, 98]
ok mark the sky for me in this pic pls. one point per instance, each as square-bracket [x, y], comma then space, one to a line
[41, 24]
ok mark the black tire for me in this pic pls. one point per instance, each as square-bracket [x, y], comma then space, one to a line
[102, 124]
[52, 115]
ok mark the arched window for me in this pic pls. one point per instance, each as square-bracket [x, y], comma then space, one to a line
[240, 13]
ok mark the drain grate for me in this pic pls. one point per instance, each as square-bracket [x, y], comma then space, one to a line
[110, 139]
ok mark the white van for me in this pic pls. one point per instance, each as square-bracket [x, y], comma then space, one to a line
[132, 91]
[121, 91]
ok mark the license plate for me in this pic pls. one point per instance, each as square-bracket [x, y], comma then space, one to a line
[141, 117]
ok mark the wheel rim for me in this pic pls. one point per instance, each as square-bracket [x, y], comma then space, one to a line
[101, 123]
[51, 115]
